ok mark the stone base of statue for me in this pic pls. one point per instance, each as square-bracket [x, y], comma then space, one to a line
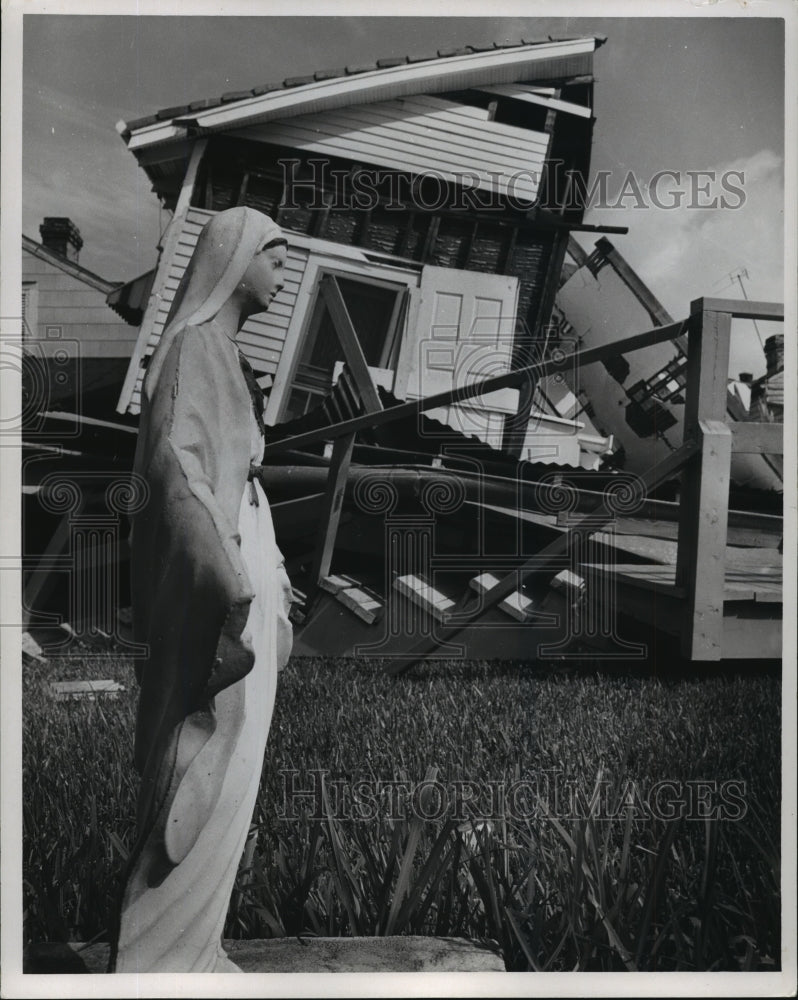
[282, 955]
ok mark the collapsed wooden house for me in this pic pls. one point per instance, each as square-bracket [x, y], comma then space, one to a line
[420, 448]
[438, 191]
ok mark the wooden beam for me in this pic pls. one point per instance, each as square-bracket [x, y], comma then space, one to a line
[540, 218]
[472, 240]
[701, 558]
[552, 280]
[459, 394]
[707, 369]
[242, 191]
[739, 309]
[707, 372]
[408, 232]
[350, 345]
[757, 438]
[509, 248]
[576, 251]
[658, 313]
[519, 94]
[330, 514]
[515, 426]
[430, 238]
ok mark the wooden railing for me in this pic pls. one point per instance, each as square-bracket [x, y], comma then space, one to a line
[704, 458]
[704, 507]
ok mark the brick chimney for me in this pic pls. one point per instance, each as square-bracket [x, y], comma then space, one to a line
[62, 236]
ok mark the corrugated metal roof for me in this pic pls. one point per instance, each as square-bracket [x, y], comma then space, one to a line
[167, 114]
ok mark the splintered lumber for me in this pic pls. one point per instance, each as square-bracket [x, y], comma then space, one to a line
[424, 595]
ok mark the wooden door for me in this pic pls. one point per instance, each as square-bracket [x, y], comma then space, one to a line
[461, 330]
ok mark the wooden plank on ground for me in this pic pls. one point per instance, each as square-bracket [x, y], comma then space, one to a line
[68, 690]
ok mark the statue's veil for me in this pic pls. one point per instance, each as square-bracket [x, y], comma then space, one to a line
[224, 250]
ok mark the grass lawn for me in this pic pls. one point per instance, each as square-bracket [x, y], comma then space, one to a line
[572, 820]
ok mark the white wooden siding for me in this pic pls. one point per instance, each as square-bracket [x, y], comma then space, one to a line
[262, 336]
[73, 309]
[420, 135]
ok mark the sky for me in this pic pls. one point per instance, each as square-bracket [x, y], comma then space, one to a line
[675, 94]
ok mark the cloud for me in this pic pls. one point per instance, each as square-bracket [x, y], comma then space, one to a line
[75, 165]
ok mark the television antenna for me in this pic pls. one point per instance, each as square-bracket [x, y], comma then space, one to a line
[739, 274]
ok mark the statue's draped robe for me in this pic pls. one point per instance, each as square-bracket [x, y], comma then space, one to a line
[210, 598]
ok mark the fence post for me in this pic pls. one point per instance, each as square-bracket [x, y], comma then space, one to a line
[704, 503]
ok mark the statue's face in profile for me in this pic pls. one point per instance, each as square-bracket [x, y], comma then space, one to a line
[264, 277]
